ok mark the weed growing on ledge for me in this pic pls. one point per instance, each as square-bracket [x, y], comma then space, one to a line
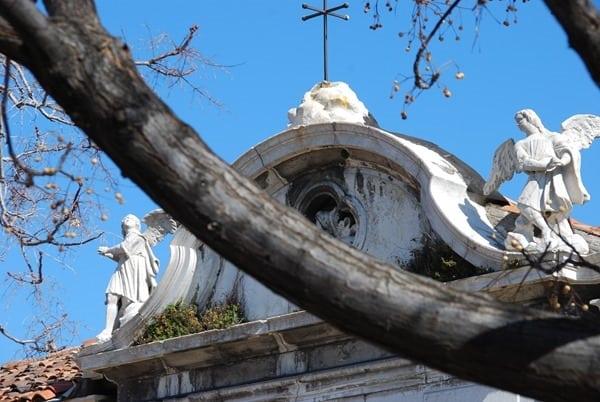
[182, 318]
[222, 316]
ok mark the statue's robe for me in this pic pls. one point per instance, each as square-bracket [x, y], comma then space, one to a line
[551, 192]
[135, 275]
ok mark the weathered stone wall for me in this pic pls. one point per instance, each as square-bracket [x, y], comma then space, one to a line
[293, 357]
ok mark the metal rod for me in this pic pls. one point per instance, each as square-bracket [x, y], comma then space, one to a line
[345, 5]
[325, 69]
[325, 12]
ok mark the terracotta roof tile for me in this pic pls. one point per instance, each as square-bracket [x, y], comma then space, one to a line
[39, 379]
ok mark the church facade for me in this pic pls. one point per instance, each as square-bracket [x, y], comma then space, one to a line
[386, 194]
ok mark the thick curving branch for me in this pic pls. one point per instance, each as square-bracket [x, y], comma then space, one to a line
[581, 21]
[84, 10]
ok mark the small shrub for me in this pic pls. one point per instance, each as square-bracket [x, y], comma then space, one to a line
[223, 316]
[176, 320]
[181, 319]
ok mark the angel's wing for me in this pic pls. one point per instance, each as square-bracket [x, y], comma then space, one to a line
[158, 225]
[581, 130]
[504, 166]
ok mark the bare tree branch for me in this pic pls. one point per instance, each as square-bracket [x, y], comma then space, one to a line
[49, 176]
[41, 343]
[80, 9]
[179, 62]
[581, 21]
[156, 63]
[34, 278]
[420, 81]
[10, 42]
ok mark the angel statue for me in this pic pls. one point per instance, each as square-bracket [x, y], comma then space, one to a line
[135, 276]
[552, 162]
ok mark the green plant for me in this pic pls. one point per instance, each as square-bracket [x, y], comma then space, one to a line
[176, 320]
[181, 319]
[438, 261]
[222, 316]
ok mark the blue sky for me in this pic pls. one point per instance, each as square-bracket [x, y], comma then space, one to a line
[275, 58]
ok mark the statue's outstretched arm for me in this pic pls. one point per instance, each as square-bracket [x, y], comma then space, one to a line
[114, 253]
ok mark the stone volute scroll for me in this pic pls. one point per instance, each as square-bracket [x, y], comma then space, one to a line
[134, 279]
[552, 163]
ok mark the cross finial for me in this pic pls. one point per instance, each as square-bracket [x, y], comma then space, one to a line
[325, 12]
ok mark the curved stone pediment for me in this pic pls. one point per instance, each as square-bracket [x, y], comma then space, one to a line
[380, 192]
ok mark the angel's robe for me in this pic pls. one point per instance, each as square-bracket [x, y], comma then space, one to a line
[135, 275]
[549, 191]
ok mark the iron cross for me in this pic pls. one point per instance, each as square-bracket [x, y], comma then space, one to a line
[325, 12]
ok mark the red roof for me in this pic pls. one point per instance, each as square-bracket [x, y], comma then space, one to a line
[39, 379]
